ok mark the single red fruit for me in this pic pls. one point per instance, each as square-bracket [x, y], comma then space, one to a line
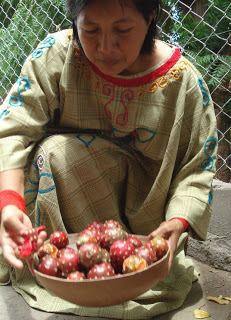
[92, 232]
[90, 254]
[105, 256]
[102, 270]
[68, 260]
[49, 266]
[96, 225]
[147, 253]
[76, 276]
[135, 241]
[119, 251]
[111, 224]
[59, 239]
[159, 245]
[110, 235]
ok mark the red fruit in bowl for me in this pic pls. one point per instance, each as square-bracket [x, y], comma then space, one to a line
[84, 238]
[147, 253]
[102, 270]
[59, 239]
[105, 256]
[110, 235]
[49, 266]
[92, 232]
[134, 263]
[119, 251]
[90, 254]
[135, 241]
[76, 276]
[47, 248]
[111, 224]
[68, 260]
[96, 225]
[159, 245]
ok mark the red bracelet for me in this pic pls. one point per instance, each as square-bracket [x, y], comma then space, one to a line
[10, 197]
[184, 222]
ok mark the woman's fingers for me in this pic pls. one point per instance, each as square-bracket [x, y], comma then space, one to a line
[10, 253]
[41, 238]
[171, 231]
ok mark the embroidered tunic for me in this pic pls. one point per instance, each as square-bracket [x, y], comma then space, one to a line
[139, 149]
[162, 119]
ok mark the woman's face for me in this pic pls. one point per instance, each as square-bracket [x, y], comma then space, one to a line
[112, 36]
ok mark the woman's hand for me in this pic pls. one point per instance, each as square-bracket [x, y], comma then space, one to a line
[13, 225]
[171, 231]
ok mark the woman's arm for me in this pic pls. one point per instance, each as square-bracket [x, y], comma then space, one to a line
[12, 180]
[14, 220]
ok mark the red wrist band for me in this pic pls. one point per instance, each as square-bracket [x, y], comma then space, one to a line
[184, 222]
[10, 197]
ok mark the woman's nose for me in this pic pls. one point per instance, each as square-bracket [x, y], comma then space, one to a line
[107, 43]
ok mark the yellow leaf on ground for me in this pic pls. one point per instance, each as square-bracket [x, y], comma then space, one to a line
[227, 298]
[201, 314]
[217, 300]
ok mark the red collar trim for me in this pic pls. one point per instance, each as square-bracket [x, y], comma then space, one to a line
[136, 82]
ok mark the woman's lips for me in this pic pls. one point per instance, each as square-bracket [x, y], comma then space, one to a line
[109, 62]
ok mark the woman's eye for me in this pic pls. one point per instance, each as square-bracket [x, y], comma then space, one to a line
[124, 30]
[91, 31]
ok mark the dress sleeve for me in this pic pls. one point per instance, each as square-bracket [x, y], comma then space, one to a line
[190, 194]
[28, 108]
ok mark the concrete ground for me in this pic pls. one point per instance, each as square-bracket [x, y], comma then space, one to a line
[212, 282]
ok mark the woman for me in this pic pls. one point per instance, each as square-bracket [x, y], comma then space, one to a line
[110, 123]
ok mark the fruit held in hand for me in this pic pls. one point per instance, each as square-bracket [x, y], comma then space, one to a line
[159, 245]
[59, 239]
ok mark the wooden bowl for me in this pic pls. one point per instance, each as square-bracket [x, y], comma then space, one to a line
[105, 292]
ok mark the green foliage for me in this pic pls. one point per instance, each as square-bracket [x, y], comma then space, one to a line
[7, 10]
[30, 22]
[203, 40]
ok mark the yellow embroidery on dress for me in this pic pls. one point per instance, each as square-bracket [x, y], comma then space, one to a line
[139, 92]
[87, 72]
[182, 64]
[163, 81]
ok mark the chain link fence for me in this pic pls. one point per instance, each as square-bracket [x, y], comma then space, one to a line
[201, 28]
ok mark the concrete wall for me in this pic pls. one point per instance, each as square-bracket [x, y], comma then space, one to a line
[216, 250]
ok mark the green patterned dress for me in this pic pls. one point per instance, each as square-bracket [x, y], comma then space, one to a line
[139, 149]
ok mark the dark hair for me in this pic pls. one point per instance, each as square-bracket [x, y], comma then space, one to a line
[145, 7]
